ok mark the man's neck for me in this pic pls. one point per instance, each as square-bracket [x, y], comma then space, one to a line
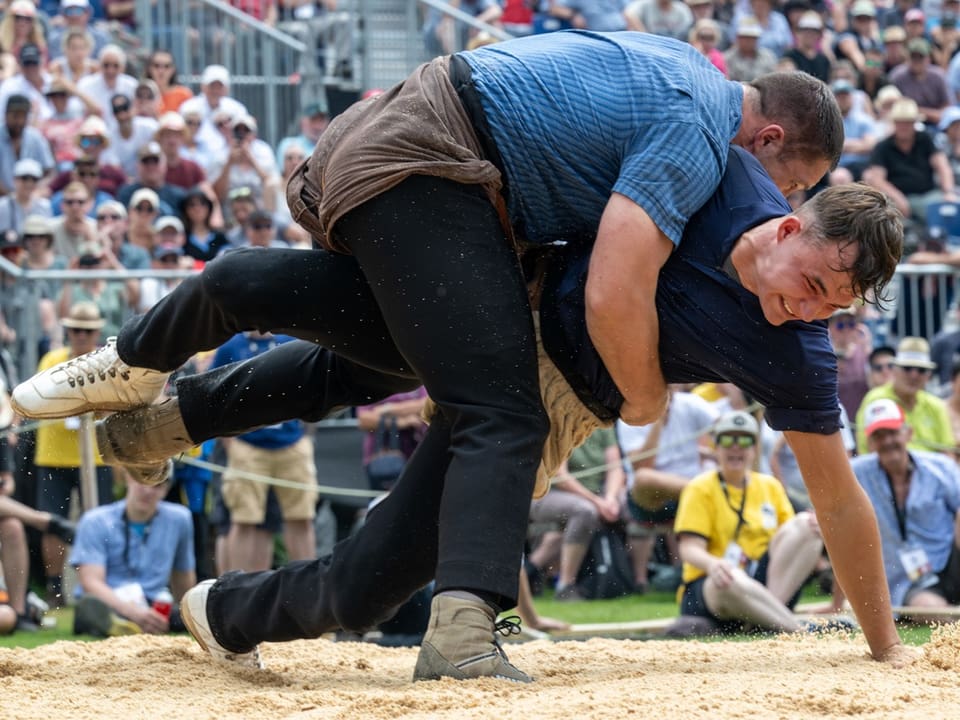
[747, 254]
[750, 119]
[907, 400]
[900, 473]
[137, 516]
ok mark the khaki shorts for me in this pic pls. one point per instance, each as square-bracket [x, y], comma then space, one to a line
[247, 499]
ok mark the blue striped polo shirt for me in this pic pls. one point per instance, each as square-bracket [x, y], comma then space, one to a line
[577, 115]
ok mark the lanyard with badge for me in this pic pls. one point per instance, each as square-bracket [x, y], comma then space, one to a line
[914, 559]
[734, 554]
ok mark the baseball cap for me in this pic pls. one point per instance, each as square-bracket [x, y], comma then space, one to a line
[810, 21]
[30, 55]
[882, 414]
[246, 120]
[737, 421]
[27, 167]
[894, 33]
[112, 206]
[914, 352]
[93, 126]
[949, 116]
[863, 8]
[23, 8]
[9, 239]
[151, 149]
[166, 250]
[918, 46]
[17, 102]
[914, 15]
[168, 221]
[145, 195]
[215, 73]
[888, 93]
[240, 193]
[74, 3]
[89, 249]
[171, 121]
[260, 216]
[319, 107]
[749, 27]
[841, 86]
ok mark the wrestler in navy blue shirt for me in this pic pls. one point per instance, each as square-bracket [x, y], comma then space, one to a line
[711, 327]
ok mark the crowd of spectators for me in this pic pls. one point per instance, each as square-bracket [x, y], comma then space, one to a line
[107, 161]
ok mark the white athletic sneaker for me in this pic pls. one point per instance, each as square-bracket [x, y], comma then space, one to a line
[193, 610]
[99, 380]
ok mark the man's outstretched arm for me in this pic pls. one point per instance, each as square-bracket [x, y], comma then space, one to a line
[621, 306]
[849, 528]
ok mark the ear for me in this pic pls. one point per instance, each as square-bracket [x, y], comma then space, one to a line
[788, 227]
[769, 137]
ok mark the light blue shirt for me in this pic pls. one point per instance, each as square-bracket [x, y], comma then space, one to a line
[578, 115]
[33, 145]
[105, 539]
[857, 125]
[932, 504]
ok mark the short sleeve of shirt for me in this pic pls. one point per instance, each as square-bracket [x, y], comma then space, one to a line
[695, 511]
[91, 542]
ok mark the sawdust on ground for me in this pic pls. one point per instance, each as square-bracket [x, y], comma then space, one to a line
[787, 677]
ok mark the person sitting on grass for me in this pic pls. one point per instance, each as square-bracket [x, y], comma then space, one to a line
[745, 554]
[127, 554]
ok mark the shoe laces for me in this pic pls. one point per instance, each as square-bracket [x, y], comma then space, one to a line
[508, 626]
[86, 369]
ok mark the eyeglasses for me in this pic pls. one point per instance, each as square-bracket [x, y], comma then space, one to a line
[743, 441]
[150, 160]
[145, 209]
[22, 19]
[192, 123]
[105, 217]
[144, 96]
[110, 64]
[262, 226]
[26, 178]
[845, 324]
[88, 174]
[73, 201]
[880, 367]
[913, 369]
[121, 108]
[169, 259]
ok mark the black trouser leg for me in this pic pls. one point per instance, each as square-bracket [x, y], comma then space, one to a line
[293, 380]
[361, 583]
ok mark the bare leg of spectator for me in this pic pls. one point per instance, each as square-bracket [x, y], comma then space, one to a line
[299, 538]
[15, 560]
[747, 600]
[794, 552]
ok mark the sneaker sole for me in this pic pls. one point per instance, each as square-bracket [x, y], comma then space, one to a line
[78, 410]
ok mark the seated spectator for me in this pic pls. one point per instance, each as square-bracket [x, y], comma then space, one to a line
[916, 497]
[181, 171]
[127, 554]
[852, 342]
[290, 231]
[745, 553]
[113, 300]
[894, 47]
[442, 35]
[921, 81]
[873, 77]
[202, 241]
[664, 456]
[860, 36]
[74, 227]
[670, 18]
[588, 492]
[166, 256]
[746, 61]
[168, 231]
[151, 174]
[907, 166]
[241, 204]
[214, 96]
[260, 231]
[112, 223]
[93, 141]
[132, 134]
[280, 451]
[197, 149]
[313, 122]
[146, 100]
[859, 136]
[143, 209]
[109, 81]
[63, 123]
[29, 80]
[76, 16]
[85, 172]
[886, 98]
[32, 144]
[250, 163]
[705, 36]
[25, 199]
[948, 139]
[37, 240]
[926, 413]
[945, 36]
[807, 55]
[76, 60]
[20, 26]
[162, 69]
[775, 35]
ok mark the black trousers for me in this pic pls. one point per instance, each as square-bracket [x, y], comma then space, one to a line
[433, 294]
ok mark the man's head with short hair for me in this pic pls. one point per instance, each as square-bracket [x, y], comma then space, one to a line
[16, 113]
[113, 61]
[75, 201]
[887, 433]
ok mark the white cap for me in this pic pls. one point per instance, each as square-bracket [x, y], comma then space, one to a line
[145, 194]
[168, 221]
[215, 73]
[27, 167]
[737, 421]
[248, 121]
[75, 3]
[882, 414]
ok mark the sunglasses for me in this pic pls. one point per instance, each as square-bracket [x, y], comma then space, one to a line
[81, 331]
[145, 209]
[74, 201]
[262, 226]
[845, 324]
[170, 260]
[121, 108]
[88, 174]
[151, 160]
[26, 178]
[36, 237]
[743, 441]
[90, 141]
[912, 369]
[105, 217]
[879, 367]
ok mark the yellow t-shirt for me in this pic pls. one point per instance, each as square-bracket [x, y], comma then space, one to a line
[707, 511]
[58, 441]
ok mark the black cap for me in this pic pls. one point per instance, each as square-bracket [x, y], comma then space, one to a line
[17, 102]
[30, 55]
[10, 239]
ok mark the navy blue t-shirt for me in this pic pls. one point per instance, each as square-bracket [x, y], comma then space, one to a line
[711, 327]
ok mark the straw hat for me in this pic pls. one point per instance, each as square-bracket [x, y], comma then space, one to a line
[83, 316]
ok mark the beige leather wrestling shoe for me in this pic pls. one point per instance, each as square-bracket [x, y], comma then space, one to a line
[193, 610]
[461, 643]
[98, 380]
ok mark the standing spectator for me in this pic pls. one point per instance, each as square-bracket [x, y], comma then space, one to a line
[24, 200]
[746, 61]
[279, 451]
[152, 174]
[109, 81]
[76, 15]
[250, 163]
[907, 165]
[131, 135]
[926, 414]
[112, 225]
[922, 81]
[57, 455]
[18, 141]
[664, 456]
[745, 553]
[127, 554]
[916, 497]
[202, 241]
[859, 136]
[78, 50]
[808, 56]
[162, 69]
[671, 18]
